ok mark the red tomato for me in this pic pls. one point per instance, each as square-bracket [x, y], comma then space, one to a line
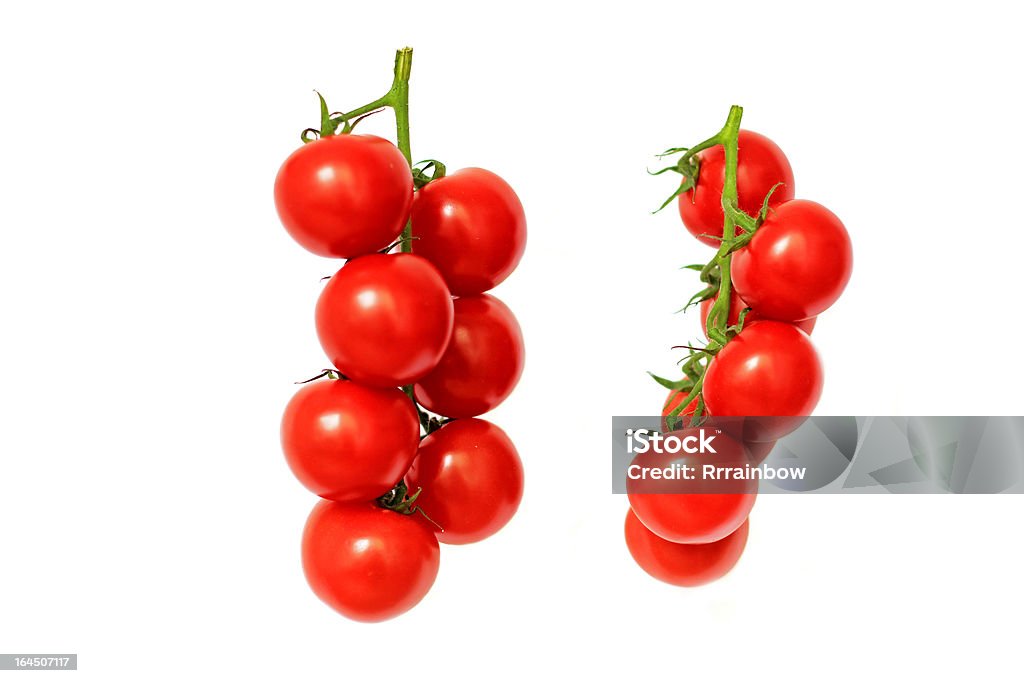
[344, 195]
[385, 319]
[482, 364]
[471, 226]
[682, 564]
[761, 165]
[736, 306]
[797, 264]
[366, 562]
[701, 510]
[348, 442]
[768, 369]
[674, 399]
[472, 480]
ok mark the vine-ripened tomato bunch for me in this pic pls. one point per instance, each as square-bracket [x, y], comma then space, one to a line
[389, 436]
[779, 263]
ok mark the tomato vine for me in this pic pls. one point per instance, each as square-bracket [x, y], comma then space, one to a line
[419, 350]
[715, 274]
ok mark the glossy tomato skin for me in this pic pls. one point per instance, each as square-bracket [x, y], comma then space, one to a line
[481, 365]
[674, 398]
[471, 225]
[761, 165]
[683, 564]
[385, 319]
[797, 264]
[736, 306]
[769, 369]
[343, 196]
[699, 510]
[349, 442]
[368, 563]
[471, 479]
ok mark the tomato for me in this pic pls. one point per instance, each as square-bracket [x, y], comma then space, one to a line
[366, 562]
[699, 510]
[682, 564]
[797, 264]
[761, 165]
[769, 369]
[482, 364]
[344, 195]
[736, 306]
[471, 479]
[471, 226]
[674, 399]
[385, 319]
[348, 442]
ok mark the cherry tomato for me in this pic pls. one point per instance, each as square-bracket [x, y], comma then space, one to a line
[366, 562]
[471, 479]
[736, 306]
[761, 164]
[349, 442]
[699, 510]
[344, 195]
[674, 399]
[768, 369]
[797, 264]
[471, 226]
[482, 364]
[385, 319]
[682, 564]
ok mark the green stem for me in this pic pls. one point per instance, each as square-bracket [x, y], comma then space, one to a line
[400, 94]
[400, 103]
[718, 316]
[398, 99]
[365, 109]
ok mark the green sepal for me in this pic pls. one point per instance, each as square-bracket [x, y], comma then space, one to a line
[673, 385]
[327, 125]
[420, 178]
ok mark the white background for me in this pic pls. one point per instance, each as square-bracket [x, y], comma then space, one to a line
[154, 315]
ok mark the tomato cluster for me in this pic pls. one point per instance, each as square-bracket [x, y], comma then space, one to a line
[788, 261]
[406, 333]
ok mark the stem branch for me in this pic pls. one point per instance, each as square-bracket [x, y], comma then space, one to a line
[718, 316]
[398, 99]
